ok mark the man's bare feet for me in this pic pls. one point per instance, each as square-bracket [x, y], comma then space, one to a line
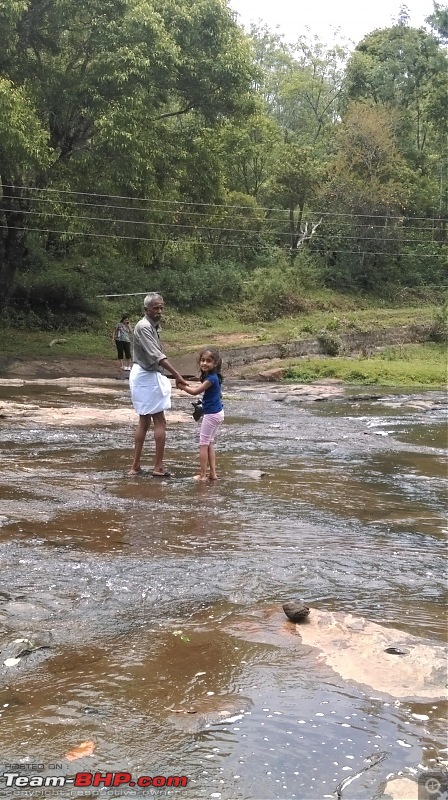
[134, 472]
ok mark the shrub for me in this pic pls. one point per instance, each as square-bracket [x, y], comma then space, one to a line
[439, 327]
[275, 293]
[51, 301]
[278, 290]
[329, 342]
[200, 285]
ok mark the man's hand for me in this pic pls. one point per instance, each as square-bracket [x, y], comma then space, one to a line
[181, 384]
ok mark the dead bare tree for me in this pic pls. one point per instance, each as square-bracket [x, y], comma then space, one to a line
[301, 236]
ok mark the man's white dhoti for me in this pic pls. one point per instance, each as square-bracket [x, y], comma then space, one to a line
[150, 391]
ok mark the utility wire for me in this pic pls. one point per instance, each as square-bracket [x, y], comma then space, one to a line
[211, 244]
[228, 208]
[209, 205]
[202, 228]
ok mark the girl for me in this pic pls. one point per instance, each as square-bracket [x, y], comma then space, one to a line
[210, 365]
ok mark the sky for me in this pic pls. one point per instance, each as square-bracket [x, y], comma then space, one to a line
[354, 17]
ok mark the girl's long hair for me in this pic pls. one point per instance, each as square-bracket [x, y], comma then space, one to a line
[216, 358]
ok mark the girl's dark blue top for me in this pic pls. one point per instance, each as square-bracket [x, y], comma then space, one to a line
[211, 399]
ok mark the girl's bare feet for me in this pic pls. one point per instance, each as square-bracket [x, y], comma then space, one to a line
[200, 478]
[213, 476]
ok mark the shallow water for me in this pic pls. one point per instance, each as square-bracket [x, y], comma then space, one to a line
[154, 596]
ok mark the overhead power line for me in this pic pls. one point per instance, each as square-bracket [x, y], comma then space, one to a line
[208, 205]
[199, 228]
[267, 221]
[210, 244]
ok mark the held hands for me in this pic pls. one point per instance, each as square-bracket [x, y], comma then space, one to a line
[181, 384]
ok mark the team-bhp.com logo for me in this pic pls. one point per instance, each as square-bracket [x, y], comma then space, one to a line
[85, 779]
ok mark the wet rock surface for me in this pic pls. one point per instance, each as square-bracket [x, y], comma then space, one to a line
[357, 650]
[210, 711]
[72, 413]
[400, 789]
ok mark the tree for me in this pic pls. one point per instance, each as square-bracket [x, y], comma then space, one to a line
[110, 83]
[404, 69]
[23, 153]
[301, 85]
[249, 150]
[310, 95]
[438, 21]
[369, 232]
[296, 177]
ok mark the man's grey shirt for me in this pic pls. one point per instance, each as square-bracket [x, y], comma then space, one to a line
[147, 350]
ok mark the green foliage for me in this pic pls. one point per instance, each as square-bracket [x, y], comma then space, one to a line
[329, 342]
[52, 301]
[23, 139]
[168, 148]
[409, 365]
[439, 328]
[439, 21]
[94, 96]
[279, 290]
[249, 148]
[189, 282]
[405, 69]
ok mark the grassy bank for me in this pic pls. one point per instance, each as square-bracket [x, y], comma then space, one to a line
[225, 327]
[330, 313]
[404, 365]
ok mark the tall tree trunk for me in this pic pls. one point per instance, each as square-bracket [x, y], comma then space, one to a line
[12, 240]
[294, 231]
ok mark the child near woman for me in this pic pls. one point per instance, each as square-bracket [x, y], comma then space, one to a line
[210, 365]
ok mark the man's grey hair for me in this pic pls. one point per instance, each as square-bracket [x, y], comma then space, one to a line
[150, 299]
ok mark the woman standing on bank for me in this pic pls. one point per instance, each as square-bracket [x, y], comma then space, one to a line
[122, 338]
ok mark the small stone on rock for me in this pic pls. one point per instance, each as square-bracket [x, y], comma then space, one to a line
[296, 611]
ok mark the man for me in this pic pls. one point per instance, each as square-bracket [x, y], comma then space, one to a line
[150, 389]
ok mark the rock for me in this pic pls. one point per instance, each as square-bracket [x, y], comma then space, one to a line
[95, 390]
[13, 652]
[275, 374]
[296, 611]
[256, 474]
[25, 610]
[209, 711]
[77, 414]
[401, 789]
[356, 649]
[57, 341]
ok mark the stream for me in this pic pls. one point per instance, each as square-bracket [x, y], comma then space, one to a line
[154, 607]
